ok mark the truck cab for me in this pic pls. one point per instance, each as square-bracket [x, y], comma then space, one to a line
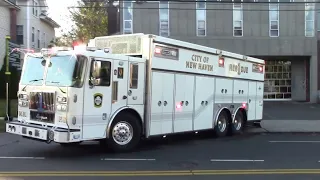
[69, 96]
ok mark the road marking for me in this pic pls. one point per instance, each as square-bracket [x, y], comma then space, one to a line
[6, 157]
[156, 173]
[236, 160]
[294, 141]
[123, 159]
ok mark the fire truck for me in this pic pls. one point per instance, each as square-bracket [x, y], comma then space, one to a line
[123, 88]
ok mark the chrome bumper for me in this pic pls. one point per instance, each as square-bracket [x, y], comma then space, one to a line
[38, 132]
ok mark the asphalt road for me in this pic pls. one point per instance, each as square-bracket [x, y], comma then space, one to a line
[181, 157]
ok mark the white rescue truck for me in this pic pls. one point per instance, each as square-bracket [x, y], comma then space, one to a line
[136, 86]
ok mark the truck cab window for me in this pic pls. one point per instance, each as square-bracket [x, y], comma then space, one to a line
[77, 77]
[103, 75]
[134, 68]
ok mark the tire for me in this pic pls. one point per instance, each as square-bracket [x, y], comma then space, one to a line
[221, 128]
[129, 125]
[237, 125]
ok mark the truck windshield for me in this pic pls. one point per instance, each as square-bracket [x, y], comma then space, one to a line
[66, 70]
[32, 71]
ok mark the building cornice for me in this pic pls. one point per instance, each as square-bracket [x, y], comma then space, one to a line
[49, 21]
[11, 4]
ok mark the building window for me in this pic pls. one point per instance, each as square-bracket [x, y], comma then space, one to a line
[201, 18]
[164, 18]
[38, 39]
[277, 84]
[32, 34]
[237, 18]
[44, 39]
[35, 8]
[309, 18]
[127, 17]
[19, 34]
[274, 18]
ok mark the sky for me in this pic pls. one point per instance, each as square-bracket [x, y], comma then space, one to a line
[58, 11]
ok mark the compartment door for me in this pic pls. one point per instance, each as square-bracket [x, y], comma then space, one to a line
[161, 103]
[184, 103]
[252, 100]
[224, 90]
[259, 102]
[240, 91]
[204, 101]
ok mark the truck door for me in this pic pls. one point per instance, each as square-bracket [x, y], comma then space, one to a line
[119, 93]
[97, 103]
[136, 83]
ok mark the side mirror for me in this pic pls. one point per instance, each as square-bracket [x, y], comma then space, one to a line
[96, 69]
[95, 76]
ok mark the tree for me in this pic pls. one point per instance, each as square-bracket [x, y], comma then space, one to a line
[66, 39]
[91, 20]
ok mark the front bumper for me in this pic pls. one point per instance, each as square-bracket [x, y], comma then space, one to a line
[39, 132]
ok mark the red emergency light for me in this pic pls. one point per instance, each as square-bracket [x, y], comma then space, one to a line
[221, 62]
[157, 50]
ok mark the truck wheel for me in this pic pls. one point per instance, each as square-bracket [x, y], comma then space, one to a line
[125, 133]
[221, 128]
[238, 124]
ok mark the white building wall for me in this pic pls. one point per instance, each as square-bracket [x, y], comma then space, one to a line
[4, 30]
[26, 18]
[50, 34]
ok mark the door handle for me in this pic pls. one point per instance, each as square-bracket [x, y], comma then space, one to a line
[124, 97]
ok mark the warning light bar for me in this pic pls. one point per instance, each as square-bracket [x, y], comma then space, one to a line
[166, 52]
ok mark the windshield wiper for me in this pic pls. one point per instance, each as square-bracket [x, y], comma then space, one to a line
[56, 82]
[34, 80]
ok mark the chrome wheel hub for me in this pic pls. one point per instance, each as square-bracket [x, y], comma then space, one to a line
[237, 124]
[222, 124]
[122, 133]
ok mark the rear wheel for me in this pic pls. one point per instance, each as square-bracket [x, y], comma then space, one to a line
[125, 133]
[221, 128]
[238, 123]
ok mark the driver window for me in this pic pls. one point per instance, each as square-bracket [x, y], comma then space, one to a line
[103, 73]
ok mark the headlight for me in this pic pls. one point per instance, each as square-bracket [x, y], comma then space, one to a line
[62, 99]
[62, 107]
[23, 103]
[23, 96]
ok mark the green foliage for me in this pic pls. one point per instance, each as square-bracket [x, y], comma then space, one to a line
[91, 20]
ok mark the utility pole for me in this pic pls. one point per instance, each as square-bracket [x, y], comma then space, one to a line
[8, 73]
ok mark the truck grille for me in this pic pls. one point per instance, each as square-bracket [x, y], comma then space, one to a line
[46, 117]
[42, 106]
[42, 101]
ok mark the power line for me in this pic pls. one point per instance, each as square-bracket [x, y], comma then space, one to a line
[262, 4]
[212, 1]
[207, 9]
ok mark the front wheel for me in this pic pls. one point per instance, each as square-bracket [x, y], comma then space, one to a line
[125, 133]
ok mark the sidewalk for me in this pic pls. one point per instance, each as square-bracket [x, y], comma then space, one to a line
[287, 126]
